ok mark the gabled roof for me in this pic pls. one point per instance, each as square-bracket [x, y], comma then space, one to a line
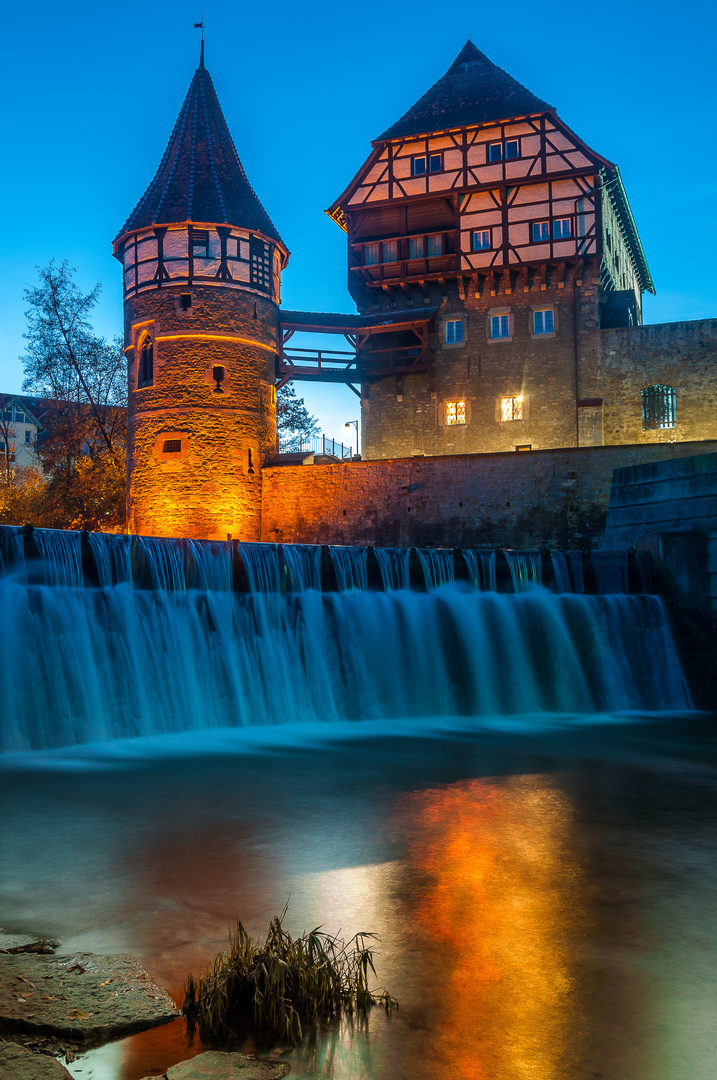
[200, 177]
[473, 91]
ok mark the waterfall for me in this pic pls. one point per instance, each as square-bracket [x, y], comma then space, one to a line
[481, 569]
[351, 566]
[560, 571]
[112, 557]
[394, 566]
[302, 567]
[575, 562]
[12, 548]
[438, 566]
[212, 565]
[61, 555]
[261, 562]
[525, 569]
[162, 561]
[113, 662]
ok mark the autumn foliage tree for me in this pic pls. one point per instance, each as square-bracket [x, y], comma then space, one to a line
[82, 380]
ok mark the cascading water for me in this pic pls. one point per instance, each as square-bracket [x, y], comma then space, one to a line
[611, 570]
[525, 569]
[438, 566]
[560, 571]
[575, 562]
[481, 569]
[176, 649]
[60, 556]
[394, 566]
[12, 547]
[350, 565]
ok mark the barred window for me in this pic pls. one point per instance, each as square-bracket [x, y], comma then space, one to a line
[658, 407]
[200, 243]
[455, 413]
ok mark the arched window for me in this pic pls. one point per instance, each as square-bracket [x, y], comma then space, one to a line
[145, 376]
[658, 407]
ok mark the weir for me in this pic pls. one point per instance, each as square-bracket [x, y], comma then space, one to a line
[149, 637]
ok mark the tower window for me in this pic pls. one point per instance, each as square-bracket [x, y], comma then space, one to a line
[562, 228]
[185, 301]
[544, 321]
[390, 251]
[539, 231]
[200, 243]
[500, 326]
[260, 272]
[455, 413]
[658, 407]
[145, 375]
[172, 446]
[480, 240]
[371, 254]
[454, 331]
[511, 408]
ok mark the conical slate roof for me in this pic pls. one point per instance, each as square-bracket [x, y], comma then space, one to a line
[473, 91]
[200, 176]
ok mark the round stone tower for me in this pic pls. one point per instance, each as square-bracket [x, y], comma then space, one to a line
[202, 265]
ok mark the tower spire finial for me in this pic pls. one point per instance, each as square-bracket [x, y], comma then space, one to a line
[200, 26]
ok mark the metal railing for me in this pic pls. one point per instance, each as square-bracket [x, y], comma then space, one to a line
[315, 444]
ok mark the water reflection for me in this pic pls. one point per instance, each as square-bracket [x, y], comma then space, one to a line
[497, 910]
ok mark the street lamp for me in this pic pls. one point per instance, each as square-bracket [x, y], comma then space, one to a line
[354, 423]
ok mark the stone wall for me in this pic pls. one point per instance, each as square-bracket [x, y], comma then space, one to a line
[682, 355]
[209, 485]
[510, 500]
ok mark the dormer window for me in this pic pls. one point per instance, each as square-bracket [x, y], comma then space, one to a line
[200, 243]
[145, 374]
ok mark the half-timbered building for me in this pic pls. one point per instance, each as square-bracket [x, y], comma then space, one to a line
[481, 206]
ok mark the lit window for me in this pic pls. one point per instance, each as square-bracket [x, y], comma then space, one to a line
[371, 254]
[540, 230]
[418, 166]
[543, 321]
[511, 408]
[562, 228]
[434, 245]
[526, 446]
[390, 251]
[416, 247]
[145, 375]
[200, 243]
[454, 331]
[500, 326]
[455, 413]
[480, 240]
[658, 407]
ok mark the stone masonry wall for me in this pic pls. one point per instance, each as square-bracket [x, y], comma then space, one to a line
[510, 500]
[681, 354]
[211, 488]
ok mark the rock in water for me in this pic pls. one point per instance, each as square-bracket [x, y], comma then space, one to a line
[17, 1063]
[83, 996]
[216, 1065]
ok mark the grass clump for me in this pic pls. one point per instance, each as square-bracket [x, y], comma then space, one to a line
[276, 985]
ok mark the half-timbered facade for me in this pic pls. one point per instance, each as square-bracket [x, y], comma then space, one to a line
[482, 202]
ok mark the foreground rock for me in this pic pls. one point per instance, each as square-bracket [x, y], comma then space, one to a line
[85, 997]
[215, 1065]
[16, 943]
[17, 1063]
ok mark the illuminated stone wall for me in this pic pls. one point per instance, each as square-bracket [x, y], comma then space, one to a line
[195, 455]
[504, 500]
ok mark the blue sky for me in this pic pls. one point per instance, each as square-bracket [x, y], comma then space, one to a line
[92, 92]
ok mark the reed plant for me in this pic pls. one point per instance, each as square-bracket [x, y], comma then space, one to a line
[279, 984]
